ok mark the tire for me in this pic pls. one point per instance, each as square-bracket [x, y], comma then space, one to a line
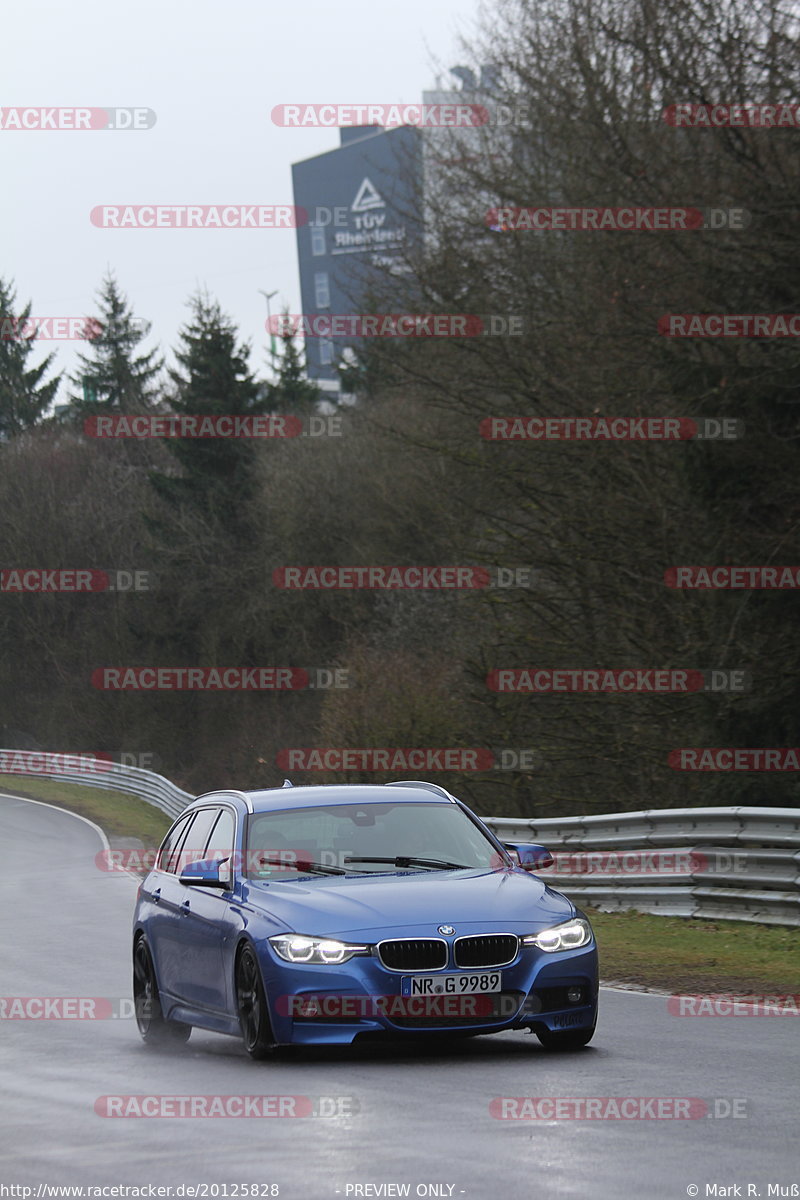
[155, 1029]
[251, 1006]
[571, 1039]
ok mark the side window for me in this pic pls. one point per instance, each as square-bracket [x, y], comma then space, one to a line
[171, 841]
[220, 844]
[175, 855]
[318, 245]
[195, 840]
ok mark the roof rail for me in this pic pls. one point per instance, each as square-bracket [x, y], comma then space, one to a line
[226, 792]
[421, 783]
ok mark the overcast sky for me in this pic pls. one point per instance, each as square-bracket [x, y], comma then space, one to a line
[212, 72]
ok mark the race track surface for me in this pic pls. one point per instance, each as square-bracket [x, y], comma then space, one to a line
[416, 1117]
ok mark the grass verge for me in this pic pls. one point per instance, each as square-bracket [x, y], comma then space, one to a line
[680, 954]
[118, 814]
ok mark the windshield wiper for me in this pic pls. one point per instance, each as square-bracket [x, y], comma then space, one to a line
[405, 860]
[314, 867]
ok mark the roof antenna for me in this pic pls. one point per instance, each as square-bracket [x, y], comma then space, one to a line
[286, 783]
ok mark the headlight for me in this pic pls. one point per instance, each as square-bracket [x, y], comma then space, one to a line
[569, 936]
[295, 948]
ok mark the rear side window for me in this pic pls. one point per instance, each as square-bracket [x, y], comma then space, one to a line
[192, 849]
[171, 842]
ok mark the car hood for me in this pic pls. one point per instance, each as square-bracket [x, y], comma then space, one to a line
[411, 904]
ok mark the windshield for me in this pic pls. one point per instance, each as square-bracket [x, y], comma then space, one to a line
[342, 838]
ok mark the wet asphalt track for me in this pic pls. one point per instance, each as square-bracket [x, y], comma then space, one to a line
[423, 1118]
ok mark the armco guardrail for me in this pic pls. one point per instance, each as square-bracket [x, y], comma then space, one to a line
[94, 772]
[722, 863]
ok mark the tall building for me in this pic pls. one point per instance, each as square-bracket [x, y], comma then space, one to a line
[371, 204]
[362, 204]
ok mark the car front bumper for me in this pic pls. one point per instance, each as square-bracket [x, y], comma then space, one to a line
[326, 1004]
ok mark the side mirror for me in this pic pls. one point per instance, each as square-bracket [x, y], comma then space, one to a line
[530, 856]
[212, 873]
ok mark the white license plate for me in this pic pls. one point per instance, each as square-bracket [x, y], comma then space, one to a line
[464, 983]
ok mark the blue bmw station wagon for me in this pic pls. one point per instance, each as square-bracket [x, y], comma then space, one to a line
[326, 914]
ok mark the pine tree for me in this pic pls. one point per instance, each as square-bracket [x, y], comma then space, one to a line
[24, 396]
[215, 474]
[292, 392]
[113, 377]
